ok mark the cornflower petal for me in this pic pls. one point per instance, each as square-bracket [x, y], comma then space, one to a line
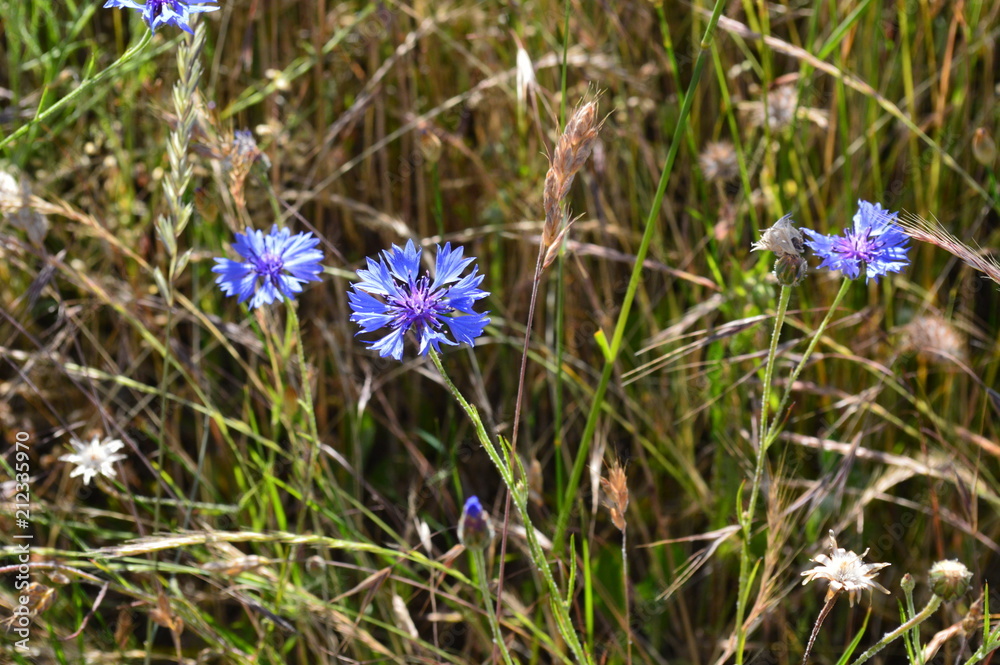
[277, 264]
[874, 242]
[391, 293]
[157, 13]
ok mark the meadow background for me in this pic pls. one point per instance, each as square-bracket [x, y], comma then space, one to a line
[382, 122]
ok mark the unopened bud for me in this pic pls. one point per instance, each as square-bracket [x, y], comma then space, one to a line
[790, 269]
[950, 579]
[984, 148]
[475, 529]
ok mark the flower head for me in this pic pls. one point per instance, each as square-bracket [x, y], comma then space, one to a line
[475, 529]
[845, 571]
[781, 238]
[276, 264]
[875, 242]
[157, 13]
[785, 240]
[392, 294]
[950, 578]
[94, 458]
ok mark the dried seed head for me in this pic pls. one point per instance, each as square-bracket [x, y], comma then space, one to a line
[784, 238]
[934, 338]
[950, 579]
[781, 103]
[239, 156]
[718, 161]
[616, 494]
[845, 571]
[40, 597]
[572, 150]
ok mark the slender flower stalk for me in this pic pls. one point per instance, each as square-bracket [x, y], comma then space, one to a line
[930, 608]
[479, 564]
[475, 532]
[171, 226]
[746, 518]
[831, 600]
[773, 430]
[505, 467]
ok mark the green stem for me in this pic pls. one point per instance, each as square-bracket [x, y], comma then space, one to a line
[519, 494]
[633, 284]
[746, 517]
[479, 565]
[772, 431]
[85, 85]
[888, 638]
[758, 472]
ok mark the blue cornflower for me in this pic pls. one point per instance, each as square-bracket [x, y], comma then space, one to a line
[475, 529]
[276, 264]
[164, 12]
[406, 301]
[875, 241]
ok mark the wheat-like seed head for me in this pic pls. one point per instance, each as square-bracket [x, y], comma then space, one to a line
[932, 232]
[572, 150]
[616, 494]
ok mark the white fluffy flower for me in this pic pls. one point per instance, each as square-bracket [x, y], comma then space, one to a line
[845, 571]
[94, 458]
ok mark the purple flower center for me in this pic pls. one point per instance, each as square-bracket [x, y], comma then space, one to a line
[155, 7]
[419, 306]
[269, 266]
[858, 246]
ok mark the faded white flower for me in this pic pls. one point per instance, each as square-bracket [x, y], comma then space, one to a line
[94, 458]
[784, 238]
[845, 571]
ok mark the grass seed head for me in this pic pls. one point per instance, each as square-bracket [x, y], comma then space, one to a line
[616, 494]
[932, 232]
[935, 338]
[572, 150]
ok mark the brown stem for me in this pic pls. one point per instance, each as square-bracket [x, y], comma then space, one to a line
[517, 421]
[831, 598]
